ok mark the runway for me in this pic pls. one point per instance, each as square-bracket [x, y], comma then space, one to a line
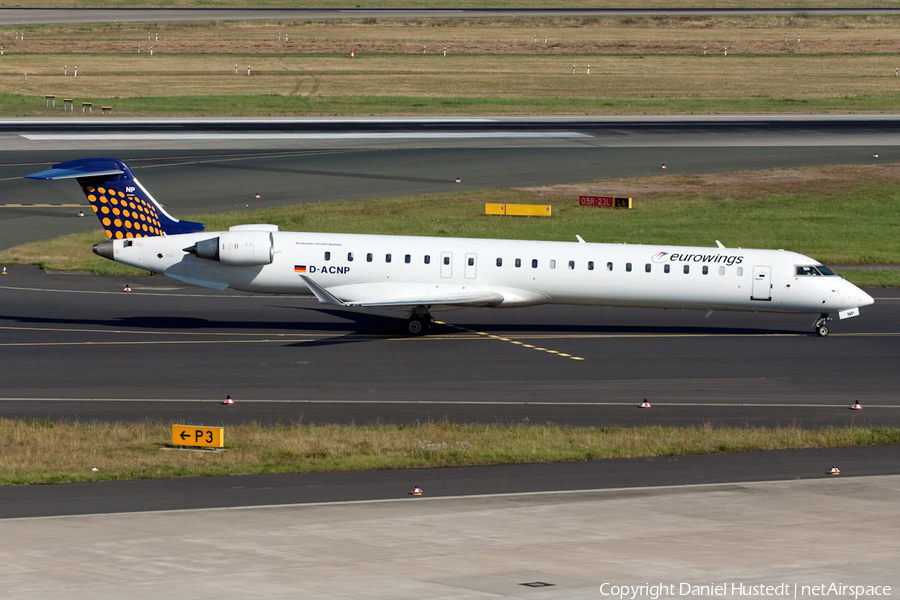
[32, 16]
[191, 175]
[76, 345]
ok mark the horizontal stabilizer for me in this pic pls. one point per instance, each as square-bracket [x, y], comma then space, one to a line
[84, 171]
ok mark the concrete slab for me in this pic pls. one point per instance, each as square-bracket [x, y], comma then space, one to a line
[841, 531]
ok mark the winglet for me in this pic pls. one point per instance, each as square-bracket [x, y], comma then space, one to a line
[321, 294]
[719, 244]
[580, 241]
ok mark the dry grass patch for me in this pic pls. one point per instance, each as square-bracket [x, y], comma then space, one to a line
[37, 451]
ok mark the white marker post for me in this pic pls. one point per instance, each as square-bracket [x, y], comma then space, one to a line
[76, 73]
[235, 69]
[423, 49]
[139, 48]
[248, 70]
[573, 69]
[445, 52]
[65, 69]
[157, 37]
[726, 51]
[704, 50]
[535, 38]
[151, 50]
[148, 36]
[589, 69]
[285, 38]
[26, 77]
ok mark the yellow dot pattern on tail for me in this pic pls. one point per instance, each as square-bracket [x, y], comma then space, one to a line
[123, 215]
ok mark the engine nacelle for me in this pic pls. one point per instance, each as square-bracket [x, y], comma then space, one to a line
[237, 248]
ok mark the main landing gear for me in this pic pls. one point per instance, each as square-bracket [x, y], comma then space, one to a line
[419, 321]
[820, 325]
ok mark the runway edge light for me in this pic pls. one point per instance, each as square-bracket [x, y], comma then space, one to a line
[645, 404]
[834, 471]
[856, 406]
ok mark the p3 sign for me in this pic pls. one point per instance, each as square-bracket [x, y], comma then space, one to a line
[195, 435]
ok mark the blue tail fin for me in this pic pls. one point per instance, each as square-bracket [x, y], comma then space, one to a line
[124, 207]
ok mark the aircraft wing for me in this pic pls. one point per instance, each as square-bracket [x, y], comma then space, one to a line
[369, 295]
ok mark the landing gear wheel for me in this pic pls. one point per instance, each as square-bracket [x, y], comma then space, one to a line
[821, 325]
[415, 326]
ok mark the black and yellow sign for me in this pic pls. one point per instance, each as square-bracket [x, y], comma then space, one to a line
[196, 435]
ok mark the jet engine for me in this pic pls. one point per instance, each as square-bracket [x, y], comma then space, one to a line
[237, 248]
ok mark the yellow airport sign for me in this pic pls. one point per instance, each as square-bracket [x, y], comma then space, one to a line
[196, 435]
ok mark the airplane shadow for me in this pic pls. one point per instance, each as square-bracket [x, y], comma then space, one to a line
[360, 327]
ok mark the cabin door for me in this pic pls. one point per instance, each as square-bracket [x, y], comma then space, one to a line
[446, 264]
[471, 265]
[762, 284]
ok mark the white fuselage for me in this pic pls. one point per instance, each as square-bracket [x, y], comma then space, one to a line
[406, 271]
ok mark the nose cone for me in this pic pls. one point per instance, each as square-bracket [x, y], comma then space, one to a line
[864, 298]
[104, 249]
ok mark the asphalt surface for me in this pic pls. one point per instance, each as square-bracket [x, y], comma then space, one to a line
[310, 488]
[78, 346]
[32, 16]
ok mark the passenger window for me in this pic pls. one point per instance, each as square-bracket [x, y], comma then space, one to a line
[518, 262]
[407, 259]
[705, 270]
[628, 267]
[499, 262]
[647, 268]
[446, 260]
[665, 268]
[328, 256]
[534, 263]
[687, 269]
[349, 257]
[590, 265]
[571, 264]
[552, 264]
[740, 271]
[387, 258]
[721, 270]
[609, 266]
[369, 257]
[427, 259]
[471, 262]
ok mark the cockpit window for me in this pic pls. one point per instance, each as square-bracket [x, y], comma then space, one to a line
[815, 270]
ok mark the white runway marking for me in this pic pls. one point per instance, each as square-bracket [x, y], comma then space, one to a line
[431, 135]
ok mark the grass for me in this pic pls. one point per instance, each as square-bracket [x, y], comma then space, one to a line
[638, 65]
[853, 218]
[800, 5]
[40, 451]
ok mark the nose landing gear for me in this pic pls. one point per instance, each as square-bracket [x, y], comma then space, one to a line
[820, 325]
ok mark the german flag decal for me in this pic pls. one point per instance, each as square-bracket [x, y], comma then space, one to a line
[299, 268]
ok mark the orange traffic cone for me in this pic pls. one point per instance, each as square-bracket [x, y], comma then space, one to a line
[416, 491]
[228, 401]
[856, 406]
[834, 471]
[645, 404]
[127, 288]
